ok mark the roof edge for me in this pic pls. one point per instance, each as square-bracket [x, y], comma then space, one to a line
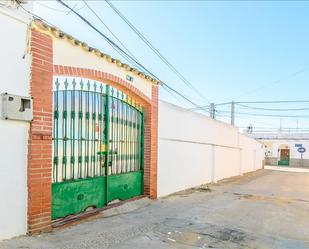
[57, 33]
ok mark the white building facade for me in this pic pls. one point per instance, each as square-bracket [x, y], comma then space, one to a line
[15, 73]
[286, 149]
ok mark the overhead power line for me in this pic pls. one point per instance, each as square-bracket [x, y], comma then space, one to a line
[127, 55]
[270, 102]
[257, 102]
[266, 115]
[173, 90]
[123, 45]
[109, 29]
[51, 8]
[273, 83]
[114, 45]
[56, 9]
[272, 109]
[156, 51]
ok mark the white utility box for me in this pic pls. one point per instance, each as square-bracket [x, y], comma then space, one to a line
[16, 107]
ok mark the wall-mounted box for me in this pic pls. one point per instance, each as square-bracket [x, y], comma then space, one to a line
[16, 107]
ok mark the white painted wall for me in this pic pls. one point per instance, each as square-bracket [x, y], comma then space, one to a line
[293, 150]
[66, 54]
[14, 72]
[195, 149]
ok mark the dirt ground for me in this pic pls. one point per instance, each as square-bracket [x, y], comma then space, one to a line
[265, 209]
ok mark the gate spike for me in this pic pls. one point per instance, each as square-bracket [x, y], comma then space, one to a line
[95, 86]
[57, 84]
[66, 84]
[74, 84]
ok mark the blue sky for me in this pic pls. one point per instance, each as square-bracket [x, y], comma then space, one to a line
[241, 50]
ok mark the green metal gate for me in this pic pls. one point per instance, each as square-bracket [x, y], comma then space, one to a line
[98, 144]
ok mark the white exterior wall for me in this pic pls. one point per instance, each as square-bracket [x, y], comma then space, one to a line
[14, 71]
[251, 154]
[182, 165]
[293, 150]
[227, 162]
[195, 149]
[66, 54]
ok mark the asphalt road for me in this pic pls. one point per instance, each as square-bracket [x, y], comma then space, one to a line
[265, 209]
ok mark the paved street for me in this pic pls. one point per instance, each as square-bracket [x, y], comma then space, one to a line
[265, 209]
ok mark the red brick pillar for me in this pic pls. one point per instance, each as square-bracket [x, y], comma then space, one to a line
[40, 136]
[151, 146]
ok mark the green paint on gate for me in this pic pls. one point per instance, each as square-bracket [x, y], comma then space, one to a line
[98, 146]
[76, 196]
[124, 186]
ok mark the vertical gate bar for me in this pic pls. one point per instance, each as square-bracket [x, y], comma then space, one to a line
[135, 137]
[139, 134]
[64, 130]
[73, 129]
[101, 128]
[94, 128]
[90, 132]
[106, 141]
[80, 130]
[56, 131]
[130, 137]
[70, 141]
[122, 133]
[126, 134]
[142, 147]
[129, 133]
[112, 131]
[87, 128]
[117, 131]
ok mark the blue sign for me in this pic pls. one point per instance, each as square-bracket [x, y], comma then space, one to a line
[299, 145]
[301, 150]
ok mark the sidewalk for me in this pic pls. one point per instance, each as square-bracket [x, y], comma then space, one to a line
[287, 169]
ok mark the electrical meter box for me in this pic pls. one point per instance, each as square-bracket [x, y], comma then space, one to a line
[15, 107]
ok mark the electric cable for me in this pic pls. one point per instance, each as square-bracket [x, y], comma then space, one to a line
[156, 51]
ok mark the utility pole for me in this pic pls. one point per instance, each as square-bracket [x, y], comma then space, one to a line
[232, 113]
[212, 110]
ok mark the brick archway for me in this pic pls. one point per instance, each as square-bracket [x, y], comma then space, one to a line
[40, 137]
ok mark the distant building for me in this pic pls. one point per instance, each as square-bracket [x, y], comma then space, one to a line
[290, 149]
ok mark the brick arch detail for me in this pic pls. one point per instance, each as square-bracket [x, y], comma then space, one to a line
[40, 132]
[151, 116]
[106, 77]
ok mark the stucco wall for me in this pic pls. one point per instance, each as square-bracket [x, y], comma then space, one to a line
[14, 71]
[251, 153]
[195, 149]
[66, 54]
[273, 146]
